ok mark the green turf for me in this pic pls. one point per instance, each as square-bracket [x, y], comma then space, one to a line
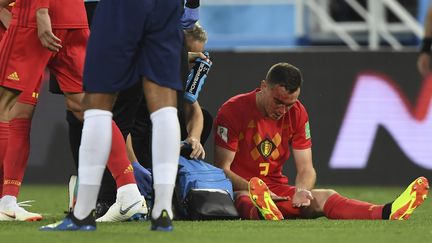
[52, 201]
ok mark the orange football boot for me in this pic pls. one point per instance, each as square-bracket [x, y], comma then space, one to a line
[410, 199]
[260, 195]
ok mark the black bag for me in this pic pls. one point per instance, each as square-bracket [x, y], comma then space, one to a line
[209, 204]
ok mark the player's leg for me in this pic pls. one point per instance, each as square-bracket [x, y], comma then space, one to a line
[159, 64]
[260, 196]
[118, 163]
[74, 123]
[124, 112]
[104, 74]
[335, 206]
[94, 148]
[17, 75]
[256, 203]
[129, 202]
[16, 158]
[331, 204]
[128, 195]
[7, 99]
[245, 206]
[141, 135]
[161, 102]
[97, 107]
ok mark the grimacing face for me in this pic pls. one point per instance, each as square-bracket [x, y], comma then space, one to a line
[276, 100]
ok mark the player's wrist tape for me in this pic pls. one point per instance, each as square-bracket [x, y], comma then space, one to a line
[196, 79]
[426, 45]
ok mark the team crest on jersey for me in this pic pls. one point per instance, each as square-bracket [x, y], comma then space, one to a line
[266, 147]
[223, 133]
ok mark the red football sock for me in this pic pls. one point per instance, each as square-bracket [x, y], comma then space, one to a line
[339, 207]
[118, 162]
[246, 208]
[15, 161]
[4, 136]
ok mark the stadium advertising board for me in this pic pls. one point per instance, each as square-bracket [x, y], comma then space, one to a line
[370, 112]
[370, 115]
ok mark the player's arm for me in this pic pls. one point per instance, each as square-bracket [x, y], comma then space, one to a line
[223, 159]
[5, 3]
[45, 33]
[194, 125]
[5, 17]
[129, 149]
[423, 61]
[306, 177]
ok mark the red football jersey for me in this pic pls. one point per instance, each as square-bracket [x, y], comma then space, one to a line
[2, 31]
[65, 14]
[262, 145]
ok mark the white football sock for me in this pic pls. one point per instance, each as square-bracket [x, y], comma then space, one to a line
[93, 156]
[8, 202]
[165, 154]
[128, 193]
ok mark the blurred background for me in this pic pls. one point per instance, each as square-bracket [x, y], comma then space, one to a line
[369, 108]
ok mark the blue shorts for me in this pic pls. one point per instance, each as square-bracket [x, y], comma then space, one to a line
[131, 39]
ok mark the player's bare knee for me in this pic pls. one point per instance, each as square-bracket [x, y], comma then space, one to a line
[22, 111]
[321, 196]
[101, 101]
[312, 211]
[158, 97]
[74, 101]
[8, 98]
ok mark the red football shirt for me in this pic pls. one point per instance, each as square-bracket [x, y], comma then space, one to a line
[262, 145]
[65, 14]
[2, 31]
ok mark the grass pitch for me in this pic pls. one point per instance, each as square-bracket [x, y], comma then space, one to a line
[51, 201]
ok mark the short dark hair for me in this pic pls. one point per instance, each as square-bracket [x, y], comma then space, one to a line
[286, 75]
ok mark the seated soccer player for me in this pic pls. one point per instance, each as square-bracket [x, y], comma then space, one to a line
[252, 148]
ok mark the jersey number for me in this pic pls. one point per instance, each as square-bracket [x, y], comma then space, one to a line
[264, 168]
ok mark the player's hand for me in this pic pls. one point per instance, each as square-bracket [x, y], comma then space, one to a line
[423, 64]
[302, 198]
[192, 56]
[277, 198]
[5, 17]
[46, 36]
[198, 151]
